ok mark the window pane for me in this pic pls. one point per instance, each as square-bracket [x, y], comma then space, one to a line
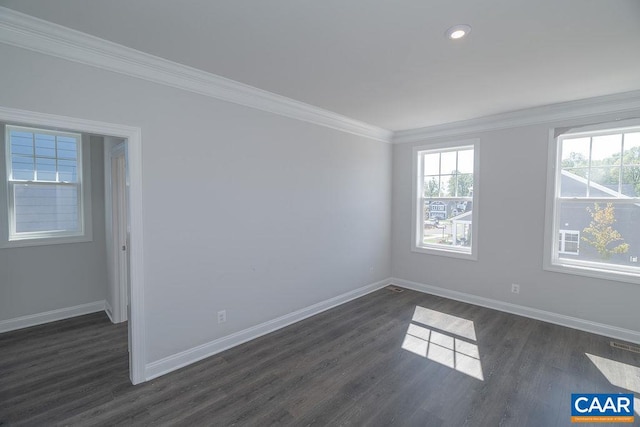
[447, 185]
[22, 167]
[46, 169]
[631, 181]
[434, 213]
[571, 247]
[67, 148]
[46, 208]
[447, 223]
[575, 152]
[448, 160]
[435, 210]
[432, 164]
[575, 167]
[605, 150]
[571, 241]
[573, 182]
[571, 237]
[608, 232]
[465, 161]
[607, 177]
[462, 233]
[431, 186]
[631, 149]
[68, 170]
[465, 185]
[45, 146]
[21, 143]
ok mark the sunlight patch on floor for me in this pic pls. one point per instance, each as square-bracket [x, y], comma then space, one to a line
[452, 344]
[620, 375]
[446, 322]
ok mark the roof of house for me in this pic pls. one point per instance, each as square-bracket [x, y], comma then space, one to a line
[463, 217]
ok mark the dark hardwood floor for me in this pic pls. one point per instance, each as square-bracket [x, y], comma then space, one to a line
[458, 365]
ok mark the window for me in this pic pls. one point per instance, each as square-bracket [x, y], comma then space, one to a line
[569, 242]
[596, 202]
[45, 192]
[445, 220]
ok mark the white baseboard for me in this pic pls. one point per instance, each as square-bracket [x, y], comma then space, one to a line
[546, 316]
[108, 310]
[50, 316]
[192, 355]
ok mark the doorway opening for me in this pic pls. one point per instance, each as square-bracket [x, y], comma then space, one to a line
[125, 159]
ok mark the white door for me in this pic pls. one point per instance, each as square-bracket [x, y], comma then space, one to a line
[120, 231]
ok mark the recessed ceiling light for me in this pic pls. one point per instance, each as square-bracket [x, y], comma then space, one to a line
[458, 31]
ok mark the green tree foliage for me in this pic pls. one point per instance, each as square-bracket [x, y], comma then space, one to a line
[575, 163]
[601, 234]
[460, 184]
[431, 188]
[607, 171]
[631, 168]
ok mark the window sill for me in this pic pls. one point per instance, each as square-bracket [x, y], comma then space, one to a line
[446, 253]
[46, 241]
[598, 273]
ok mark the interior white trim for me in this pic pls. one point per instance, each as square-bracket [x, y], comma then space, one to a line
[418, 199]
[551, 260]
[27, 32]
[35, 34]
[192, 355]
[50, 316]
[133, 135]
[533, 313]
[108, 310]
[609, 104]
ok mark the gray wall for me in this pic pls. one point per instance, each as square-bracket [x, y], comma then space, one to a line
[37, 279]
[512, 190]
[244, 210]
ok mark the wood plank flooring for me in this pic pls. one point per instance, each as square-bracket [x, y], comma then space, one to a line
[346, 366]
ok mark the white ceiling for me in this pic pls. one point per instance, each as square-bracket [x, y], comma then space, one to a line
[383, 62]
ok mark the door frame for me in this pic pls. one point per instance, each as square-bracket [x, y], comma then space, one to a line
[133, 137]
[119, 262]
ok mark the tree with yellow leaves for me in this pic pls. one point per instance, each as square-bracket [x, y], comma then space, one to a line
[601, 232]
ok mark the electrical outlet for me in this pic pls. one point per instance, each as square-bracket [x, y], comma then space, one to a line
[222, 316]
[515, 288]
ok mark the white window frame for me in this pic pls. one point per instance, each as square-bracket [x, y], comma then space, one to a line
[417, 219]
[563, 241]
[8, 236]
[552, 260]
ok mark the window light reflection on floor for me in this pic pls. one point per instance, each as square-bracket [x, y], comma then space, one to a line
[620, 375]
[448, 340]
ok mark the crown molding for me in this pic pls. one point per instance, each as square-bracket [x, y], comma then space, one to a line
[27, 32]
[584, 108]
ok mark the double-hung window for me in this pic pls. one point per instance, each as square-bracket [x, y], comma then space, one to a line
[595, 204]
[44, 177]
[445, 199]
[569, 242]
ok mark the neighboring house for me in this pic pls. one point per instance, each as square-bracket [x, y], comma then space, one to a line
[461, 225]
[459, 213]
[574, 218]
